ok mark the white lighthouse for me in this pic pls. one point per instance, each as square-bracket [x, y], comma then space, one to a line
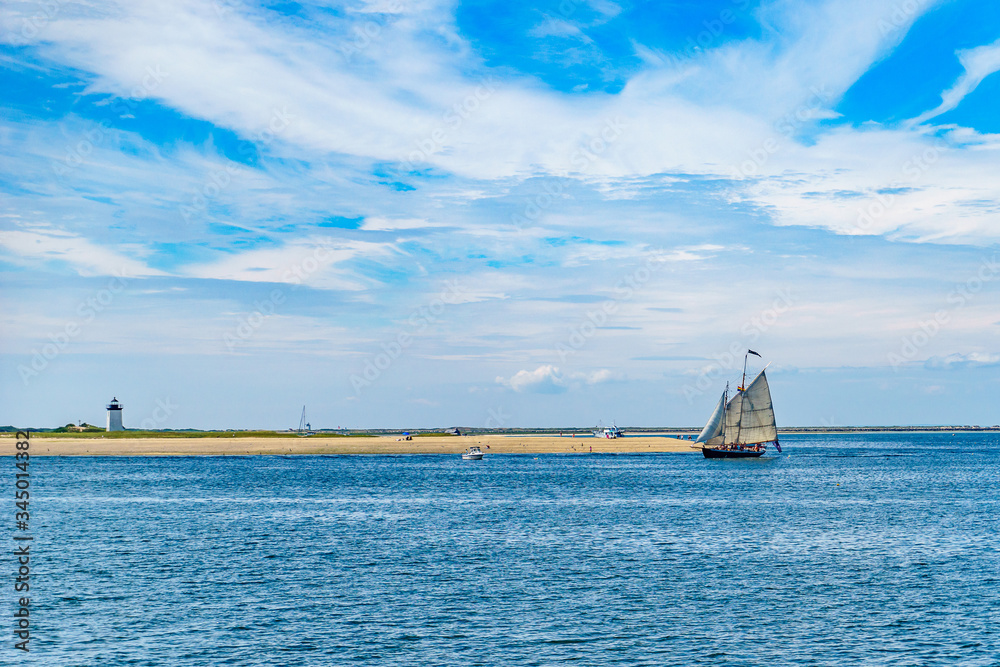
[115, 415]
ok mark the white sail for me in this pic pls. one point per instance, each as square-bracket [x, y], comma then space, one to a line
[716, 423]
[733, 412]
[750, 415]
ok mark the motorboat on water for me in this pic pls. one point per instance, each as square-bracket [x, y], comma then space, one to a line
[472, 454]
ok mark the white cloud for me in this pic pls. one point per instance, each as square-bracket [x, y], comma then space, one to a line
[543, 380]
[46, 243]
[598, 377]
[548, 379]
[378, 224]
[308, 261]
[395, 97]
[553, 27]
[391, 98]
[957, 360]
[979, 63]
[888, 182]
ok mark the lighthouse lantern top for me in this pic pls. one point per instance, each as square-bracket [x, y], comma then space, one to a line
[114, 404]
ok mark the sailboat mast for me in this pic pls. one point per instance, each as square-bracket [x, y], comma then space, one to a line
[743, 385]
[725, 401]
[743, 388]
[741, 392]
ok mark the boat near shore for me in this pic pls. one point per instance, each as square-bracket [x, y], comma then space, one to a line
[472, 454]
[610, 432]
[741, 427]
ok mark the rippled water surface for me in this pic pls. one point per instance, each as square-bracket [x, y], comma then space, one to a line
[875, 549]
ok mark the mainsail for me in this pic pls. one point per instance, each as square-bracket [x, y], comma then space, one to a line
[750, 415]
[716, 424]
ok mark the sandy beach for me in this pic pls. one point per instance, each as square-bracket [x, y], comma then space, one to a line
[491, 444]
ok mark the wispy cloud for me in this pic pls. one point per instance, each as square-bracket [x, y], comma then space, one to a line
[956, 361]
[316, 262]
[365, 156]
[48, 244]
[978, 63]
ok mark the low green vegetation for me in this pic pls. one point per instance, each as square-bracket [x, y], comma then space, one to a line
[82, 428]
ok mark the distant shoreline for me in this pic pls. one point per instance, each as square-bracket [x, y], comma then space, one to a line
[130, 434]
[238, 444]
[316, 445]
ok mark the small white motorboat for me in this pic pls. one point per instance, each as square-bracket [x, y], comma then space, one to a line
[472, 454]
[611, 432]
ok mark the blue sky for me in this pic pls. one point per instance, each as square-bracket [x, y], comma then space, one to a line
[477, 213]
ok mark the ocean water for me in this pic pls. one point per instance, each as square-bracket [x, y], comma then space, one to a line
[857, 549]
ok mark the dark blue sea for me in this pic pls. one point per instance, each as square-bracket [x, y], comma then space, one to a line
[844, 550]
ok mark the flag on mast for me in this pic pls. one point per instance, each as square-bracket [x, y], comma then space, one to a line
[754, 353]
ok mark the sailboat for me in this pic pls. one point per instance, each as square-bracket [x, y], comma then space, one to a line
[741, 426]
[305, 428]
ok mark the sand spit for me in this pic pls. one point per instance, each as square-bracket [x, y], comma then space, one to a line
[42, 446]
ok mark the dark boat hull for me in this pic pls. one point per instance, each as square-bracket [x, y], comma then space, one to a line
[730, 453]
